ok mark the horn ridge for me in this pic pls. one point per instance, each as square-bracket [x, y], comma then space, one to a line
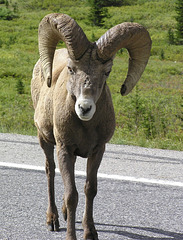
[57, 27]
[135, 38]
[125, 35]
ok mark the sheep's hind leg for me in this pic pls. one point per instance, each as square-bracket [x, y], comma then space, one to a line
[52, 213]
[93, 164]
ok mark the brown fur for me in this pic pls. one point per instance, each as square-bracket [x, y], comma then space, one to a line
[58, 123]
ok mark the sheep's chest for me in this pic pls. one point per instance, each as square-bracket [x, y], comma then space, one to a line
[86, 145]
[82, 136]
[82, 140]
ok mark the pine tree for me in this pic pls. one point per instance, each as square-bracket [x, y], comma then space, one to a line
[179, 18]
[98, 12]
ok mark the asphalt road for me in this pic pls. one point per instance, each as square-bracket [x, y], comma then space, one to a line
[130, 209]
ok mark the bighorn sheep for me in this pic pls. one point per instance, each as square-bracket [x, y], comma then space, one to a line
[73, 106]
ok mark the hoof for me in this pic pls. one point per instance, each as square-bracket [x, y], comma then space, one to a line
[91, 235]
[53, 226]
[92, 238]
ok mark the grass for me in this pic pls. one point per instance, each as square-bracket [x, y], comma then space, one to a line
[151, 116]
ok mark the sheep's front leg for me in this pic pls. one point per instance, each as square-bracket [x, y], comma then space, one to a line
[66, 164]
[52, 213]
[93, 164]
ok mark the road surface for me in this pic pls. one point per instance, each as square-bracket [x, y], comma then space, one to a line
[140, 193]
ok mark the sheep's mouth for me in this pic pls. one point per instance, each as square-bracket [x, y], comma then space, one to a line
[85, 118]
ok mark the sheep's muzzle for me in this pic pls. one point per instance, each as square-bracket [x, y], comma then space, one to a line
[85, 108]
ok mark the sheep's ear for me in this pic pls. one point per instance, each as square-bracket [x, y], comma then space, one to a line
[59, 27]
[135, 38]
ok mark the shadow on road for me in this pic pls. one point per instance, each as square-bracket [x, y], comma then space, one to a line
[139, 233]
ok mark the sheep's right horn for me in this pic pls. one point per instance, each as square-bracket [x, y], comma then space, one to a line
[135, 38]
[53, 28]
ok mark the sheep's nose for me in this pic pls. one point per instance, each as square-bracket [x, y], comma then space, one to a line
[85, 109]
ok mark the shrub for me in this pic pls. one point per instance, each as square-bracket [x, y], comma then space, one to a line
[171, 37]
[55, 5]
[6, 14]
[179, 18]
[20, 87]
[180, 113]
[1, 43]
[162, 55]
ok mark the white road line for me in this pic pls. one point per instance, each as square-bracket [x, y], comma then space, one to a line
[100, 175]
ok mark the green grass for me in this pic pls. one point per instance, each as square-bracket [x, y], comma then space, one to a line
[151, 116]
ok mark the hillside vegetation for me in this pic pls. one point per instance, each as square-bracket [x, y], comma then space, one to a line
[151, 116]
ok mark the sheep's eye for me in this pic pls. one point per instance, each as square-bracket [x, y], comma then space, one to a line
[107, 73]
[71, 71]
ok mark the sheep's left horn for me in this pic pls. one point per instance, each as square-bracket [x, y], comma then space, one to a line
[57, 27]
[135, 38]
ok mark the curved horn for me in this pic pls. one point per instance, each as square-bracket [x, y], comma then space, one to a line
[135, 38]
[53, 28]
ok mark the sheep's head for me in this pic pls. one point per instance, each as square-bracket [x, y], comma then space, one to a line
[87, 78]
[90, 63]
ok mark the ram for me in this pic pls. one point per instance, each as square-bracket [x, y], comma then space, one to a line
[73, 106]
